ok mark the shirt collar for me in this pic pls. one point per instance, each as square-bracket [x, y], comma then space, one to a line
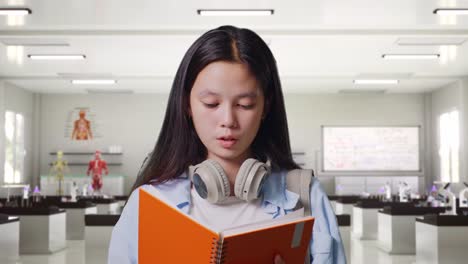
[275, 195]
[177, 191]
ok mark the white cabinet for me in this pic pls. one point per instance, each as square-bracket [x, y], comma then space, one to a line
[112, 184]
[355, 185]
[9, 240]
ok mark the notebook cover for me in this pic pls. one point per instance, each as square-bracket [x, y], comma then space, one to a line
[167, 235]
[261, 246]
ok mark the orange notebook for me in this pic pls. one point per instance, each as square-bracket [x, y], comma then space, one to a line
[168, 235]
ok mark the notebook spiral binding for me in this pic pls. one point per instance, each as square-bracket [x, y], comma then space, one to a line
[218, 250]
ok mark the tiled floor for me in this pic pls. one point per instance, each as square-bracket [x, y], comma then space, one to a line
[361, 252]
[366, 251]
[73, 254]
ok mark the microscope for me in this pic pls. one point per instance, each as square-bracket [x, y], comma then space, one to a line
[404, 191]
[36, 195]
[387, 191]
[84, 190]
[462, 196]
[25, 200]
[73, 191]
[448, 199]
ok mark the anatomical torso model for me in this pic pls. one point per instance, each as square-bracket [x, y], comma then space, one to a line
[95, 169]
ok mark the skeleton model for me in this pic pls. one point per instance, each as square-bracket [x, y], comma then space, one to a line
[59, 168]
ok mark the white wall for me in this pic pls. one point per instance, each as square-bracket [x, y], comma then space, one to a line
[464, 131]
[444, 99]
[134, 121]
[2, 130]
[36, 139]
[131, 121]
[307, 113]
[428, 142]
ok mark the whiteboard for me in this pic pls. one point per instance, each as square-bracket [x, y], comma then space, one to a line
[370, 148]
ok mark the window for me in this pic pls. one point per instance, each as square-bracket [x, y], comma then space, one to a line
[14, 147]
[449, 146]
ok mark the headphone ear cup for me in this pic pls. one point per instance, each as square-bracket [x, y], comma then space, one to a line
[250, 179]
[210, 181]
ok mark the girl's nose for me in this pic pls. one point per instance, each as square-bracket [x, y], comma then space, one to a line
[229, 120]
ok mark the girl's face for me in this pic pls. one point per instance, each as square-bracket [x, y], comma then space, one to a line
[226, 105]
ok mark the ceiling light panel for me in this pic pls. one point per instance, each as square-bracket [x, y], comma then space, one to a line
[361, 91]
[109, 91]
[451, 11]
[97, 81]
[56, 56]
[235, 12]
[33, 42]
[431, 41]
[13, 11]
[375, 81]
[410, 56]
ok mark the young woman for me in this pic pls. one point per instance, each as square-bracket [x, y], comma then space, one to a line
[226, 115]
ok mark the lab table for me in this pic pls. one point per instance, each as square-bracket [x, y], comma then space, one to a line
[364, 218]
[98, 233]
[396, 227]
[344, 225]
[334, 198]
[76, 212]
[52, 199]
[121, 199]
[104, 205]
[344, 204]
[9, 238]
[442, 239]
[42, 229]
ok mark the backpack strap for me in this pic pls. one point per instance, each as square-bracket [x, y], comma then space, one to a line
[300, 181]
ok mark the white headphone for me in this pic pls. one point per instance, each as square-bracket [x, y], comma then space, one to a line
[211, 183]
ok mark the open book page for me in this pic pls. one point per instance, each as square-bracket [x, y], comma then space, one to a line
[288, 238]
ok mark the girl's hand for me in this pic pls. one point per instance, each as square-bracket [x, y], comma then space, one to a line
[279, 260]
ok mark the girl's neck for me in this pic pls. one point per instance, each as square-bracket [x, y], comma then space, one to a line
[231, 168]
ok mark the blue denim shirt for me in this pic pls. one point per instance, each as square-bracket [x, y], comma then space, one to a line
[326, 245]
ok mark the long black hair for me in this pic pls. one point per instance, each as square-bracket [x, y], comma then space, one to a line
[178, 144]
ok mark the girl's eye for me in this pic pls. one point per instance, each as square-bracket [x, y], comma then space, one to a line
[211, 105]
[246, 106]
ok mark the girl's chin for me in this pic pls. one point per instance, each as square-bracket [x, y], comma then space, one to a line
[226, 154]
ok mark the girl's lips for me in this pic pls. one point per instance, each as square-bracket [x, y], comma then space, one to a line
[227, 143]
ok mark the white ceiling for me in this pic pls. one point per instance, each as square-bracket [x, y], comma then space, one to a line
[320, 45]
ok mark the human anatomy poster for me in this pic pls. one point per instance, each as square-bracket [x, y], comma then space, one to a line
[81, 125]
